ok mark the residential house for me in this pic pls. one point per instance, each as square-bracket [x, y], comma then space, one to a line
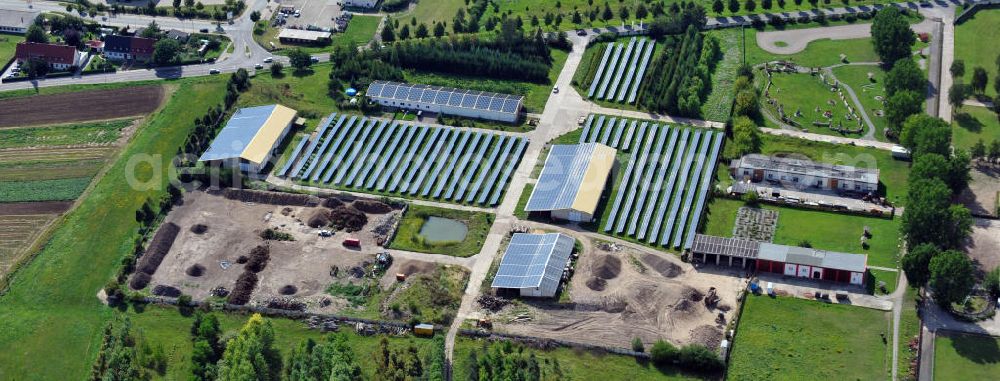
[125, 48]
[59, 57]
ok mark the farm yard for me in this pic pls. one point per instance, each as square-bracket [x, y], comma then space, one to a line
[662, 188]
[73, 107]
[407, 160]
[608, 81]
[789, 338]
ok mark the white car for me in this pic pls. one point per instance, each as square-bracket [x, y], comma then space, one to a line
[555, 90]
[268, 59]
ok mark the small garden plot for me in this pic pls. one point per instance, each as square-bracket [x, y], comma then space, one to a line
[406, 160]
[665, 182]
[812, 103]
[755, 224]
[620, 71]
[961, 356]
[806, 339]
[414, 228]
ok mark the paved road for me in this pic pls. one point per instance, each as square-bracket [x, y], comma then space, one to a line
[947, 57]
[120, 20]
[870, 133]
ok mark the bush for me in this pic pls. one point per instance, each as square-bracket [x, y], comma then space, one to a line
[637, 345]
[663, 353]
[167, 291]
[992, 282]
[274, 235]
[699, 358]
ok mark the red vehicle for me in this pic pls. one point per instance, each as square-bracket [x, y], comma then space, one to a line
[352, 242]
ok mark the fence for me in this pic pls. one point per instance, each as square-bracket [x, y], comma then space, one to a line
[975, 7]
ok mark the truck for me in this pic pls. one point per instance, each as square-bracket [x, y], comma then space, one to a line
[352, 242]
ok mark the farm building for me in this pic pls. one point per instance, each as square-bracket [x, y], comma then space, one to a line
[533, 264]
[446, 100]
[572, 181]
[301, 36]
[15, 21]
[59, 57]
[804, 174]
[792, 261]
[250, 137]
[124, 48]
[361, 3]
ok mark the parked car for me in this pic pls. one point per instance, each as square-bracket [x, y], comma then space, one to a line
[214, 71]
[555, 90]
[314, 59]
[258, 66]
[203, 30]
[268, 59]
[581, 32]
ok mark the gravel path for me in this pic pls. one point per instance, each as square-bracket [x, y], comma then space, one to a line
[798, 39]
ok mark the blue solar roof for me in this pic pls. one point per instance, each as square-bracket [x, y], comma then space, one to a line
[561, 177]
[481, 100]
[534, 260]
[238, 132]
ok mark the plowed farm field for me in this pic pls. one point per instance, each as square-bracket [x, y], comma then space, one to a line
[80, 106]
[17, 234]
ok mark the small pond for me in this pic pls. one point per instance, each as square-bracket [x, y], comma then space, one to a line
[437, 229]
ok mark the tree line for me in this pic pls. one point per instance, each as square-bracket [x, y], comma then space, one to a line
[680, 75]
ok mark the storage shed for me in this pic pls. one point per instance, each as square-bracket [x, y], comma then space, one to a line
[533, 264]
[251, 137]
[811, 263]
[572, 181]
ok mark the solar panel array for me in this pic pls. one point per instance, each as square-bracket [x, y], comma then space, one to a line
[665, 182]
[534, 260]
[375, 155]
[621, 70]
[445, 96]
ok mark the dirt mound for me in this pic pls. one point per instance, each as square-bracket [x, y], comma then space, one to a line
[242, 259]
[288, 290]
[199, 228]
[319, 218]
[167, 291]
[259, 256]
[597, 284]
[332, 202]
[348, 219]
[664, 267]
[692, 294]
[140, 280]
[195, 270]
[413, 267]
[707, 335]
[271, 198]
[607, 267]
[371, 206]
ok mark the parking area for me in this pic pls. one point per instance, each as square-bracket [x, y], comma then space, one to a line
[317, 13]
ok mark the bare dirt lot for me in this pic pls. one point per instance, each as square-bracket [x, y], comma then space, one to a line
[44, 207]
[301, 269]
[617, 296]
[984, 244]
[981, 195]
[80, 106]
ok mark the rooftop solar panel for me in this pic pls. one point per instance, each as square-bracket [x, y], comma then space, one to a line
[497, 104]
[415, 93]
[389, 91]
[469, 101]
[510, 105]
[456, 99]
[375, 89]
[428, 96]
[442, 97]
[483, 103]
[534, 261]
[402, 92]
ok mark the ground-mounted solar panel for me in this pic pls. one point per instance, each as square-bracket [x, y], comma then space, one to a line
[652, 160]
[342, 130]
[424, 164]
[336, 166]
[461, 156]
[403, 163]
[505, 176]
[606, 130]
[468, 168]
[326, 137]
[642, 71]
[668, 226]
[692, 188]
[486, 168]
[294, 156]
[706, 183]
[586, 128]
[632, 66]
[347, 161]
[622, 63]
[628, 136]
[620, 195]
[312, 146]
[379, 153]
[491, 173]
[610, 76]
[618, 133]
[595, 131]
[657, 185]
[380, 175]
[668, 190]
[442, 159]
[361, 165]
[600, 70]
[626, 211]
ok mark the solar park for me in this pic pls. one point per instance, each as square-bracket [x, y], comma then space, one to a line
[665, 181]
[389, 157]
[621, 70]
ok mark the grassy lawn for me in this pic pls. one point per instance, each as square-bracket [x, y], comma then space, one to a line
[972, 124]
[857, 78]
[819, 53]
[304, 91]
[573, 364]
[719, 102]
[960, 356]
[408, 235]
[824, 230]
[168, 328]
[49, 310]
[83, 133]
[796, 339]
[909, 329]
[8, 43]
[523, 201]
[975, 43]
[808, 96]
[359, 32]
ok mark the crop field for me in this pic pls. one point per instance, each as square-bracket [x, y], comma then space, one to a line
[621, 71]
[665, 182]
[408, 160]
[49, 173]
[80, 106]
[95, 133]
[17, 233]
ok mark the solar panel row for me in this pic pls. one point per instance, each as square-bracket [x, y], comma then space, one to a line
[629, 170]
[341, 131]
[600, 70]
[621, 70]
[609, 72]
[293, 157]
[668, 226]
[706, 182]
[627, 84]
[646, 180]
[626, 58]
[642, 71]
[480, 100]
[664, 160]
[692, 188]
[312, 145]
[668, 189]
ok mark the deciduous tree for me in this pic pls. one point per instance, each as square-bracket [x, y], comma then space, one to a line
[951, 277]
[891, 35]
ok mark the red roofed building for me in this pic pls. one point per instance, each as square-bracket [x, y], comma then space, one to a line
[60, 57]
[128, 48]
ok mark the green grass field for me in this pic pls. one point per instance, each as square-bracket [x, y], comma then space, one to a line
[819, 53]
[824, 230]
[975, 43]
[909, 329]
[8, 43]
[50, 310]
[960, 356]
[857, 78]
[43, 190]
[408, 237]
[84, 133]
[304, 91]
[809, 96]
[971, 124]
[573, 364]
[359, 32]
[796, 339]
[719, 102]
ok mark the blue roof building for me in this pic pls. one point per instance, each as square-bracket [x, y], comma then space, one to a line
[534, 263]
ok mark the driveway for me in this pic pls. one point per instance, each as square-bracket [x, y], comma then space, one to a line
[796, 40]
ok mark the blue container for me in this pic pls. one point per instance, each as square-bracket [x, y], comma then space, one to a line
[352, 92]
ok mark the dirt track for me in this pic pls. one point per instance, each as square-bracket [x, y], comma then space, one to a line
[80, 106]
[46, 207]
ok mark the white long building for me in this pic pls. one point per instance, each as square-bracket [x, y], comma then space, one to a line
[446, 100]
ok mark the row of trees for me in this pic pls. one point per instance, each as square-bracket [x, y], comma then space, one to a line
[679, 78]
[960, 91]
[529, 61]
[126, 354]
[751, 5]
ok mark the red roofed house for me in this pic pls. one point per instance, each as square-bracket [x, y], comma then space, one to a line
[60, 57]
[128, 48]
